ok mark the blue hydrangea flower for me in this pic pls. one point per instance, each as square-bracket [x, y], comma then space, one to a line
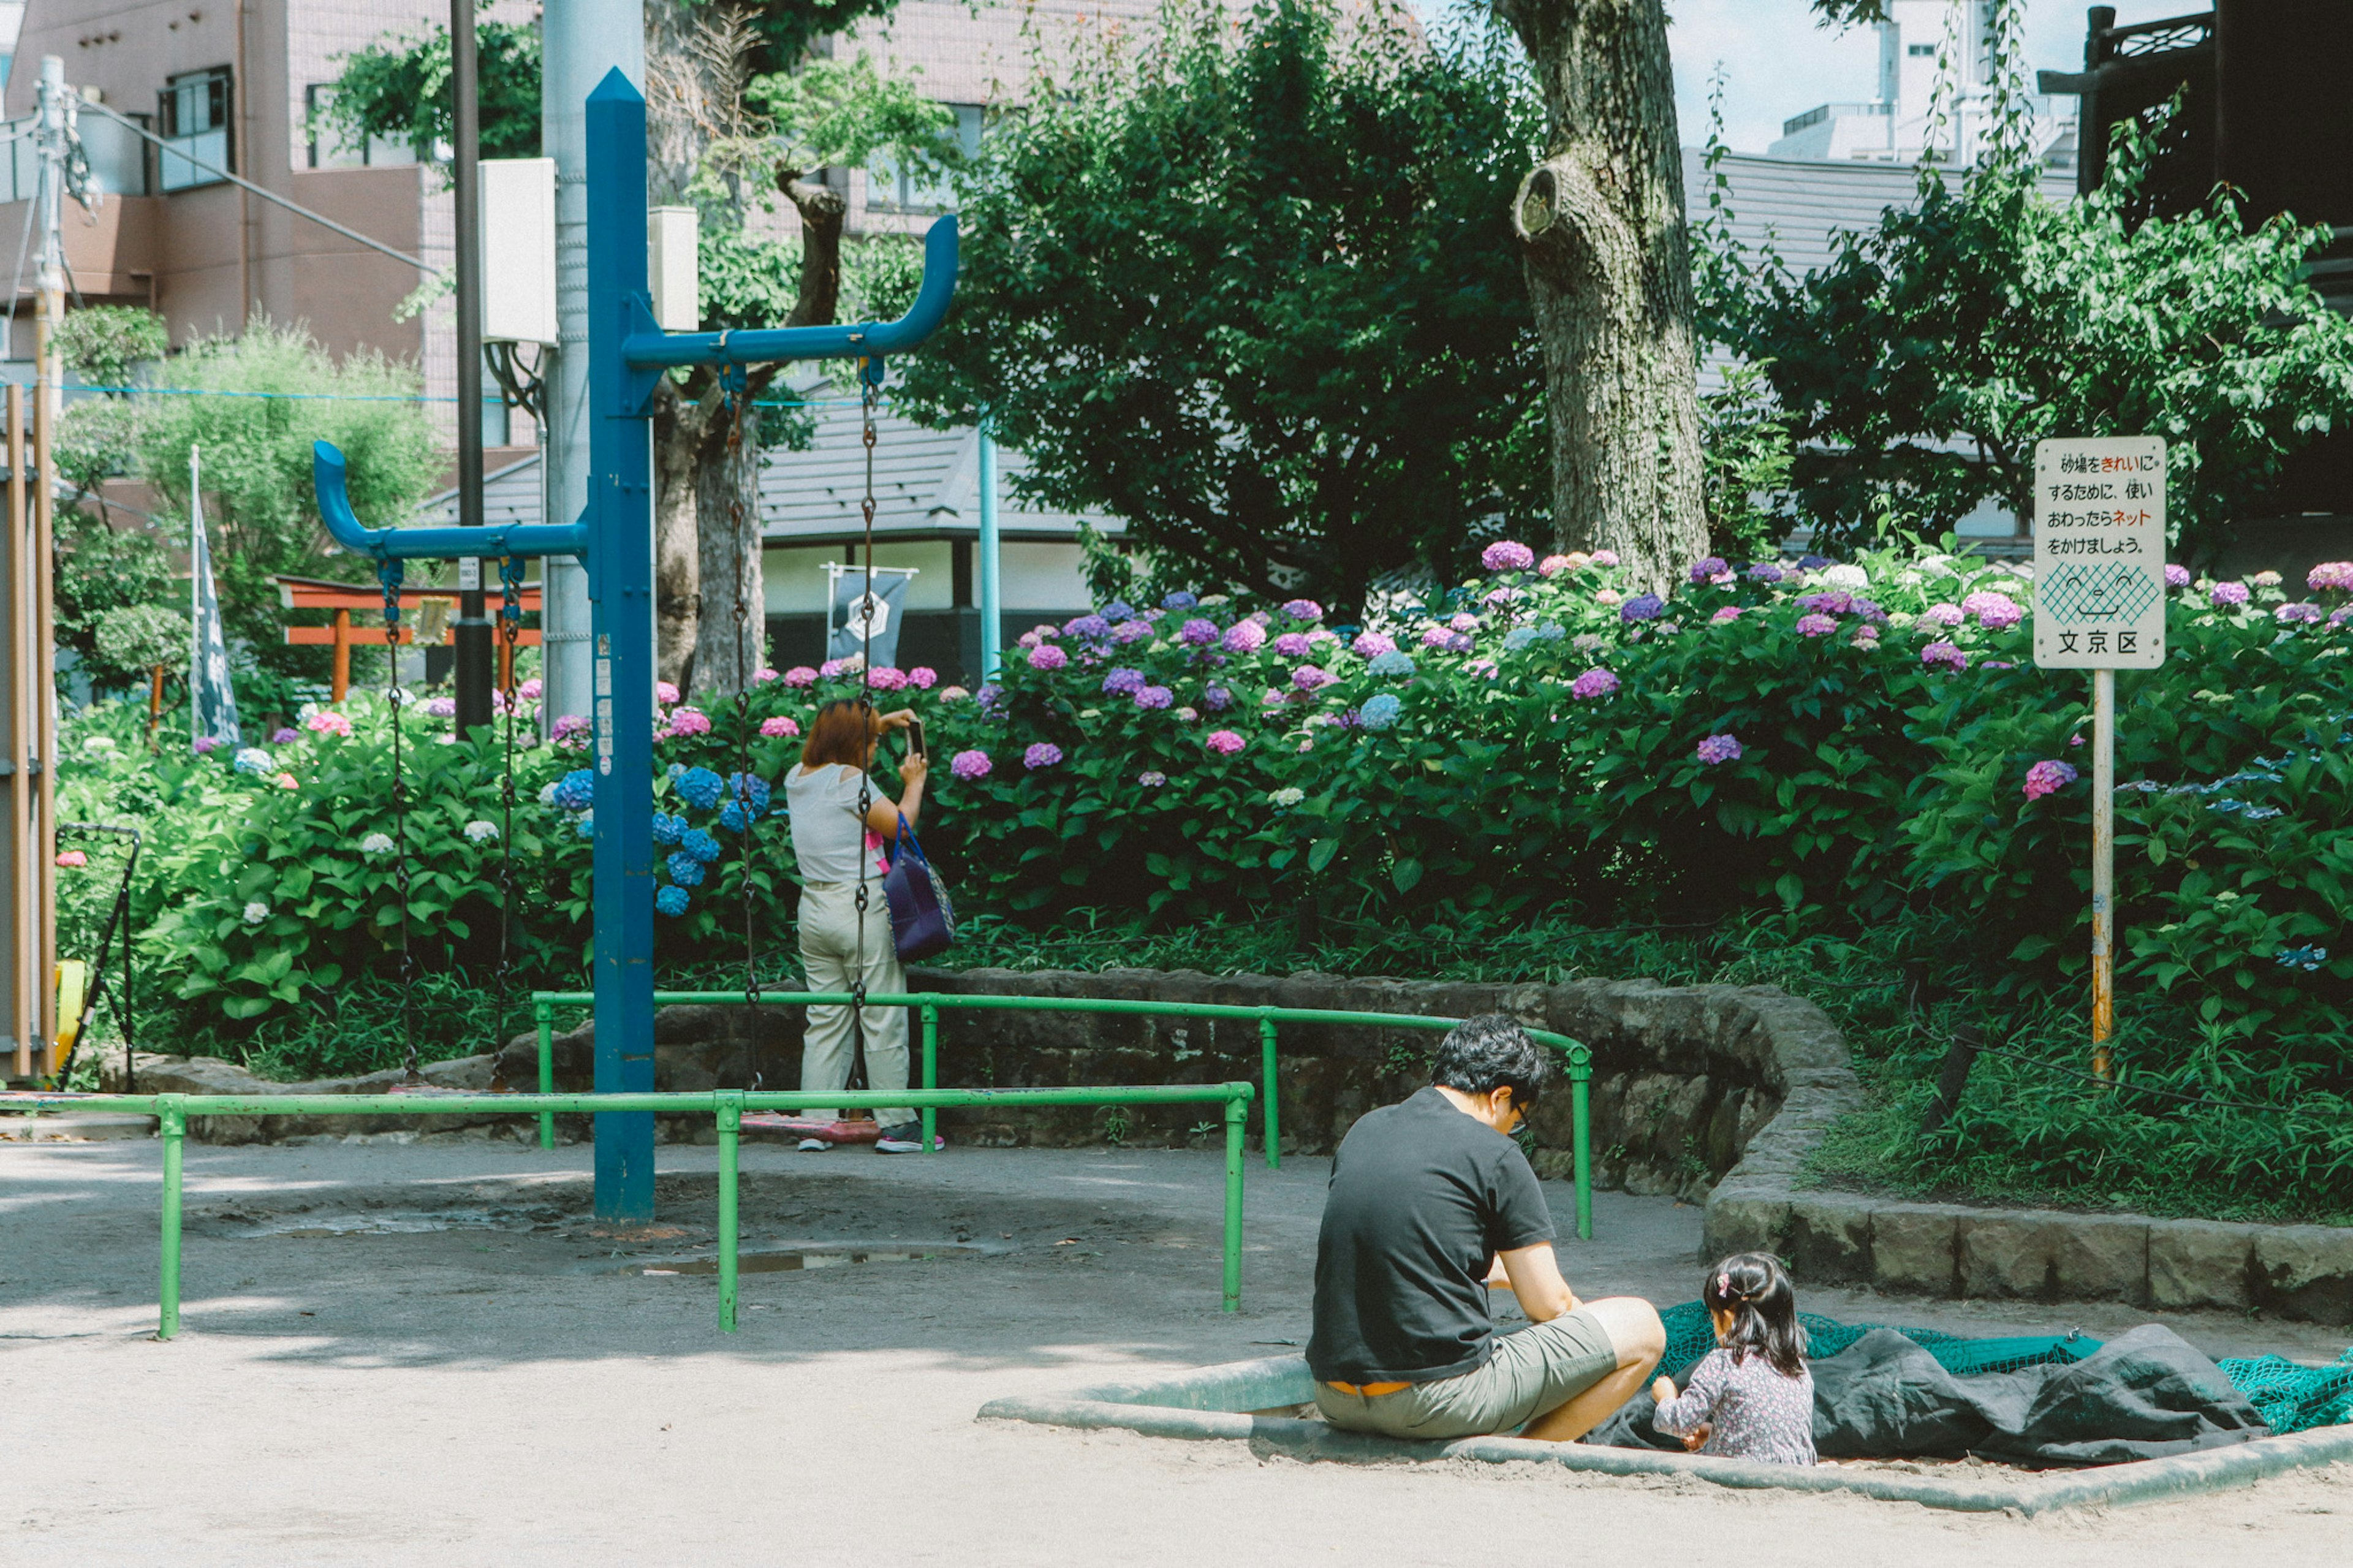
[699, 845]
[586, 826]
[731, 818]
[685, 869]
[701, 788]
[253, 760]
[1518, 637]
[1642, 607]
[1393, 662]
[675, 769]
[1381, 709]
[1117, 610]
[1179, 600]
[1123, 681]
[753, 789]
[2307, 959]
[576, 791]
[670, 900]
[668, 829]
[1092, 626]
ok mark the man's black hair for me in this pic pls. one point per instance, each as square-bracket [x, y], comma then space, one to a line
[1491, 1051]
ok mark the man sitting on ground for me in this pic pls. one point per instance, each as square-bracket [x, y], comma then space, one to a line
[1431, 1204]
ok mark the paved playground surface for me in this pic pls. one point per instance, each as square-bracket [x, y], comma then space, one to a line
[429, 1352]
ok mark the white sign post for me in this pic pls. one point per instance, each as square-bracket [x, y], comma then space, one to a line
[2099, 605]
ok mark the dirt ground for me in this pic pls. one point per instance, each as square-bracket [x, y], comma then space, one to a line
[429, 1352]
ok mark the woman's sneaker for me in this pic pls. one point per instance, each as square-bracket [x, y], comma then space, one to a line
[814, 1145]
[906, 1138]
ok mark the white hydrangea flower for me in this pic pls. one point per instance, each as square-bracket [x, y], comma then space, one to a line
[479, 831]
[256, 912]
[99, 744]
[1287, 797]
[547, 793]
[377, 844]
[1846, 576]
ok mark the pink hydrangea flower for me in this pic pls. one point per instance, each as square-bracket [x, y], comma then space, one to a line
[530, 689]
[1225, 742]
[2176, 576]
[2265, 579]
[970, 765]
[688, 721]
[73, 857]
[780, 725]
[1608, 596]
[665, 693]
[953, 694]
[1131, 631]
[1592, 684]
[1307, 677]
[1293, 644]
[886, 678]
[2330, 576]
[1553, 565]
[922, 677]
[1503, 595]
[1942, 615]
[1245, 636]
[1816, 626]
[285, 780]
[566, 726]
[2048, 777]
[1484, 668]
[1995, 612]
[762, 676]
[800, 675]
[1463, 621]
[1046, 655]
[1945, 656]
[1728, 613]
[1040, 755]
[1273, 698]
[1605, 558]
[1436, 634]
[327, 721]
[1715, 750]
[1372, 644]
[1507, 555]
[2227, 595]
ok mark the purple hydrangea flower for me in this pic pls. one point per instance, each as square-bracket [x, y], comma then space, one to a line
[1156, 697]
[1293, 644]
[1245, 636]
[1995, 612]
[2305, 613]
[1812, 563]
[1372, 644]
[1503, 595]
[1042, 755]
[1816, 626]
[1046, 655]
[1152, 778]
[1718, 749]
[1197, 633]
[1830, 602]
[1131, 631]
[970, 765]
[1092, 626]
[1307, 677]
[1642, 607]
[1463, 621]
[2048, 777]
[1507, 555]
[1217, 699]
[1302, 609]
[1944, 655]
[2227, 595]
[566, 726]
[1707, 568]
[1764, 572]
[447, 707]
[1225, 742]
[1942, 615]
[281, 737]
[2176, 576]
[1728, 613]
[1592, 684]
[1124, 682]
[1436, 634]
[2330, 576]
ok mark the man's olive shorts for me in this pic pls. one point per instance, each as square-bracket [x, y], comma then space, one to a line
[1529, 1374]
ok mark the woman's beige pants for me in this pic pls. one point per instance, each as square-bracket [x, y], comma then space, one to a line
[832, 958]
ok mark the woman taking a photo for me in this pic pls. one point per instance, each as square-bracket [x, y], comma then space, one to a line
[830, 840]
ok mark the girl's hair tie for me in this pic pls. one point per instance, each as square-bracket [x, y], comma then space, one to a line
[1724, 1287]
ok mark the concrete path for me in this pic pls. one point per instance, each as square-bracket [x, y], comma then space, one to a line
[428, 1352]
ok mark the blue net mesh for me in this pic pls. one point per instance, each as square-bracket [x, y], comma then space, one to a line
[2291, 1397]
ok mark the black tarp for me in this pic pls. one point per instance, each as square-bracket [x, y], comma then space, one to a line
[2143, 1395]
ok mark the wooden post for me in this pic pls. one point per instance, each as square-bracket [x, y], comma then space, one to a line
[46, 400]
[23, 901]
[342, 654]
[154, 703]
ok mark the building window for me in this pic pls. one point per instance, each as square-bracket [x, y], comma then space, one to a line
[327, 150]
[891, 188]
[1921, 51]
[195, 110]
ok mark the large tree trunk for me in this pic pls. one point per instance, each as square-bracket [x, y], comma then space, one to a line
[1601, 226]
[732, 636]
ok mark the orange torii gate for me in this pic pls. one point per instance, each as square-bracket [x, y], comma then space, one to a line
[342, 598]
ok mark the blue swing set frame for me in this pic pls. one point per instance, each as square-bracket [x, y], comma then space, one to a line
[629, 352]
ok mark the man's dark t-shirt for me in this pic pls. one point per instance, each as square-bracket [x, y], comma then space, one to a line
[1422, 1198]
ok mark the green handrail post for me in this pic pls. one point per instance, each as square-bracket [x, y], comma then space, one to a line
[931, 1116]
[730, 1139]
[1237, 1108]
[1267, 1066]
[544, 1011]
[172, 1119]
[1581, 1109]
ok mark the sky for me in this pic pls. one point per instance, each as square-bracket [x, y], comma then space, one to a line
[1779, 64]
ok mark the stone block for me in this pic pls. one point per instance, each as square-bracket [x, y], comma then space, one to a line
[2305, 1272]
[2199, 1263]
[1828, 1238]
[2010, 1254]
[1912, 1248]
[2103, 1258]
[1744, 1220]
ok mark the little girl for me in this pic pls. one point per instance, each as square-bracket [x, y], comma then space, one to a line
[1753, 1398]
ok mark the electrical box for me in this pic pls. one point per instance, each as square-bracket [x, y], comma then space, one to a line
[518, 250]
[673, 273]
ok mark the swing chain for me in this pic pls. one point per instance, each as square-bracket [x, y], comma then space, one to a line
[867, 385]
[510, 633]
[388, 572]
[746, 670]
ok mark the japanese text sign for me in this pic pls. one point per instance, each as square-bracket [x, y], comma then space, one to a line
[2099, 553]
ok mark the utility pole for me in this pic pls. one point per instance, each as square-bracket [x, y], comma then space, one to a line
[580, 41]
[473, 628]
[54, 132]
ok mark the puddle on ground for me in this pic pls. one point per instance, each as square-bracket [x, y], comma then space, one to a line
[822, 1255]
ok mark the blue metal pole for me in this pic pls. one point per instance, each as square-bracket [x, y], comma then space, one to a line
[621, 650]
[992, 583]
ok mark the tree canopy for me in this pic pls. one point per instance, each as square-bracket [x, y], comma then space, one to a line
[1252, 290]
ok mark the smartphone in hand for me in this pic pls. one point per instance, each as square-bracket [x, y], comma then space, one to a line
[915, 746]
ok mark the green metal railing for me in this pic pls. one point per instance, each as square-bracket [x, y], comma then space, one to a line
[1578, 1058]
[171, 1113]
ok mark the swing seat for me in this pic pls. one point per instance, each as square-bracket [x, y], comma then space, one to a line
[864, 1130]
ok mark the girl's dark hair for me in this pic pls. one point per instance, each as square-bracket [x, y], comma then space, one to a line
[1755, 1289]
[840, 733]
